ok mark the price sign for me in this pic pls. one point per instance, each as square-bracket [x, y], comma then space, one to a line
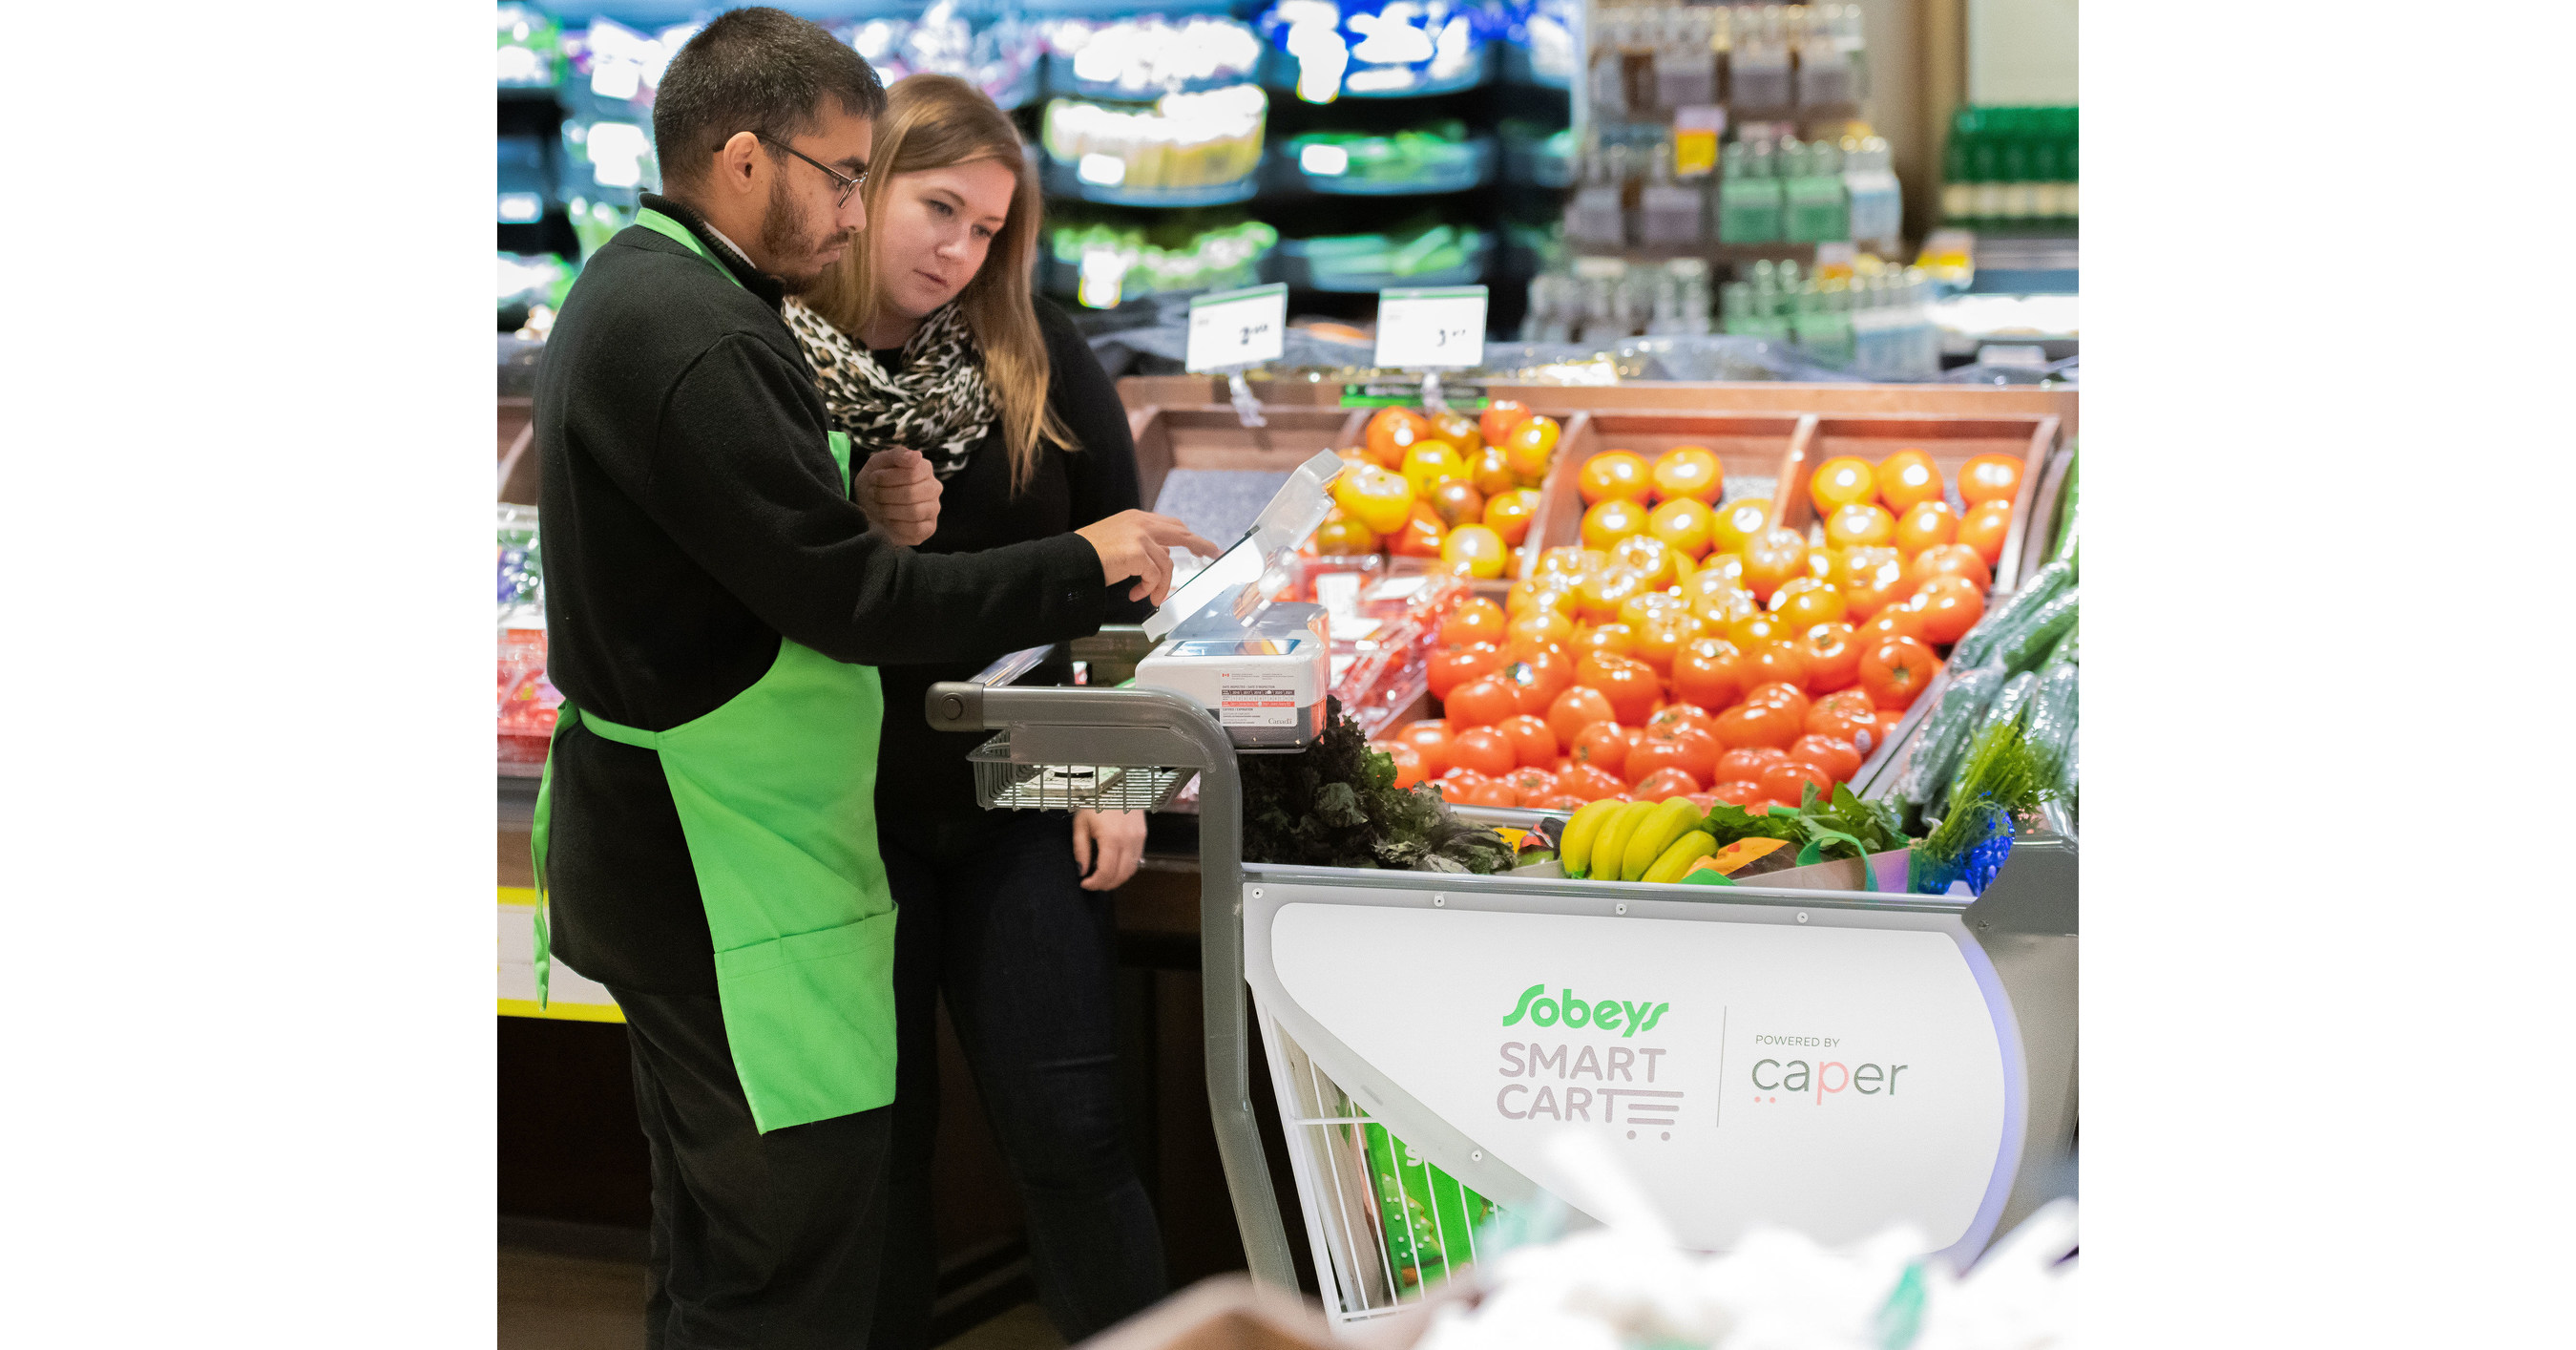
[1427, 329]
[1237, 328]
[1696, 132]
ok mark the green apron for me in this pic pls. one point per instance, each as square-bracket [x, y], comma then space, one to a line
[776, 793]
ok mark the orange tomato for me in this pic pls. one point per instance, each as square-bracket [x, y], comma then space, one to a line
[1757, 724]
[1653, 559]
[1499, 417]
[1476, 619]
[1781, 662]
[1603, 746]
[1420, 536]
[1430, 739]
[1483, 750]
[1737, 792]
[1376, 498]
[1462, 431]
[1859, 525]
[1537, 678]
[1895, 670]
[1620, 474]
[1689, 471]
[1774, 559]
[1722, 610]
[1842, 721]
[1757, 628]
[1716, 572]
[1833, 657]
[1597, 597]
[1612, 520]
[1480, 702]
[1950, 560]
[1871, 579]
[1840, 482]
[1925, 524]
[1491, 471]
[1629, 684]
[1839, 758]
[1392, 431]
[1529, 446]
[1474, 551]
[1985, 526]
[1408, 765]
[1532, 742]
[1684, 524]
[1576, 709]
[1738, 523]
[1562, 803]
[1820, 562]
[1457, 502]
[1510, 512]
[1990, 478]
[1536, 628]
[1788, 782]
[1779, 694]
[1590, 783]
[1658, 643]
[1665, 782]
[1710, 672]
[1674, 716]
[1616, 638]
[1637, 611]
[1428, 464]
[1459, 665]
[1950, 606]
[1895, 621]
[1545, 590]
[1571, 560]
[1747, 764]
[1342, 535]
[1907, 479]
[1805, 602]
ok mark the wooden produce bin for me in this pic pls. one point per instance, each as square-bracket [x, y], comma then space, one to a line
[1755, 449]
[1214, 437]
[1951, 439]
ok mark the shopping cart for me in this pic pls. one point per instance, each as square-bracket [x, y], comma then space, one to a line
[1835, 1061]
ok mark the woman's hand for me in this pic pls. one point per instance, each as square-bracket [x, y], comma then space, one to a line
[1106, 846]
[900, 495]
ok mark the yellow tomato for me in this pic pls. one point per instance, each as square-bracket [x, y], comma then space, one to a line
[1652, 558]
[1684, 523]
[1571, 560]
[1859, 524]
[1530, 445]
[1428, 464]
[1841, 481]
[1806, 602]
[1610, 521]
[1342, 535]
[1739, 523]
[1474, 551]
[1378, 499]
[1652, 607]
[1908, 479]
[1598, 597]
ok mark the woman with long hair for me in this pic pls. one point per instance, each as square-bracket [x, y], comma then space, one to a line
[925, 338]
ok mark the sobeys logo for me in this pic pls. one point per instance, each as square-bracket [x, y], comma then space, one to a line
[1608, 1014]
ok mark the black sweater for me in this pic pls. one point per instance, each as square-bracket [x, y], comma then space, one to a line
[691, 516]
[921, 771]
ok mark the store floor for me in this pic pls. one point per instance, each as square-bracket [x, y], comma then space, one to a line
[557, 1302]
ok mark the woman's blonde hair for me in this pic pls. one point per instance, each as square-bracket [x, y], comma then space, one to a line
[937, 122]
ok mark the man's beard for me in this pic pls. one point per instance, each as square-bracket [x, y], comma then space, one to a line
[782, 237]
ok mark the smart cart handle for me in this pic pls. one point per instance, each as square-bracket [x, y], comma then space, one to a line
[1148, 727]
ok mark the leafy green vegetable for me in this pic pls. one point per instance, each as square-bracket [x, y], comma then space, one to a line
[1826, 824]
[2004, 771]
[1335, 804]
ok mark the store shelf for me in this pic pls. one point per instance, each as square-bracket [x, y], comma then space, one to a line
[1279, 72]
[1288, 264]
[1059, 180]
[1517, 69]
[1473, 170]
[1526, 164]
[1060, 82]
[1716, 253]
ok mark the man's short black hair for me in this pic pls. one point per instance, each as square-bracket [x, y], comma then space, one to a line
[760, 70]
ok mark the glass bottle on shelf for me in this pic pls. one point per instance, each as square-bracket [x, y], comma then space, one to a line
[1812, 186]
[1685, 68]
[1667, 212]
[1749, 201]
[1592, 214]
[1824, 71]
[1758, 62]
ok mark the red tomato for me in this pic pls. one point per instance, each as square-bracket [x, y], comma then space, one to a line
[1430, 739]
[1833, 656]
[1747, 765]
[1951, 560]
[1532, 782]
[1536, 680]
[1784, 662]
[1753, 724]
[1479, 703]
[1560, 802]
[1689, 748]
[1458, 665]
[1532, 742]
[1576, 709]
[1591, 782]
[1856, 699]
[1629, 684]
[1833, 754]
[1662, 783]
[1710, 672]
[1950, 607]
[1786, 782]
[1408, 764]
[1674, 716]
[1894, 672]
[1780, 696]
[1842, 722]
[1738, 791]
[1895, 621]
[1476, 619]
[1887, 722]
[1481, 749]
[1455, 785]
[1603, 746]
[1703, 800]
[1492, 792]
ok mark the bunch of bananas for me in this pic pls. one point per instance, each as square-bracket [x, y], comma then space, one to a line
[1635, 841]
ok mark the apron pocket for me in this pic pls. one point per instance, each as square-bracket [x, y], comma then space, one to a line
[810, 1018]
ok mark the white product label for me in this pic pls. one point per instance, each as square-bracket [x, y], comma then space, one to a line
[1433, 328]
[1832, 1079]
[1324, 161]
[1256, 701]
[1238, 328]
[1102, 170]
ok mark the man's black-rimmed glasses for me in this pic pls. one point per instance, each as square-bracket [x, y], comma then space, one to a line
[847, 184]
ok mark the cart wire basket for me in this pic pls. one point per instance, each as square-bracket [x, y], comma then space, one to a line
[1007, 784]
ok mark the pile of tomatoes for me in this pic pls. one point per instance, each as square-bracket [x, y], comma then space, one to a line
[1459, 489]
[1690, 647]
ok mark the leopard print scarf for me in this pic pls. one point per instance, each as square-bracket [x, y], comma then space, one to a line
[939, 405]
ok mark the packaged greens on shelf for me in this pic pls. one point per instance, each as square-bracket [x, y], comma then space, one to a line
[1150, 54]
[1420, 252]
[1536, 156]
[1325, 49]
[1101, 262]
[1180, 141]
[1435, 158]
[531, 48]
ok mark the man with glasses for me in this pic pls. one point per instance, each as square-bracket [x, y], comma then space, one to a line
[719, 587]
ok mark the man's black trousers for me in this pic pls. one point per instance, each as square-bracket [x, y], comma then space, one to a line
[759, 1240]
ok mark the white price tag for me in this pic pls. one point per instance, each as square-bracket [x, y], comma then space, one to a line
[1237, 328]
[1430, 328]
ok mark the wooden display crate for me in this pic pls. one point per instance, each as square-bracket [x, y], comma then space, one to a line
[1214, 437]
[1756, 450]
[1951, 440]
